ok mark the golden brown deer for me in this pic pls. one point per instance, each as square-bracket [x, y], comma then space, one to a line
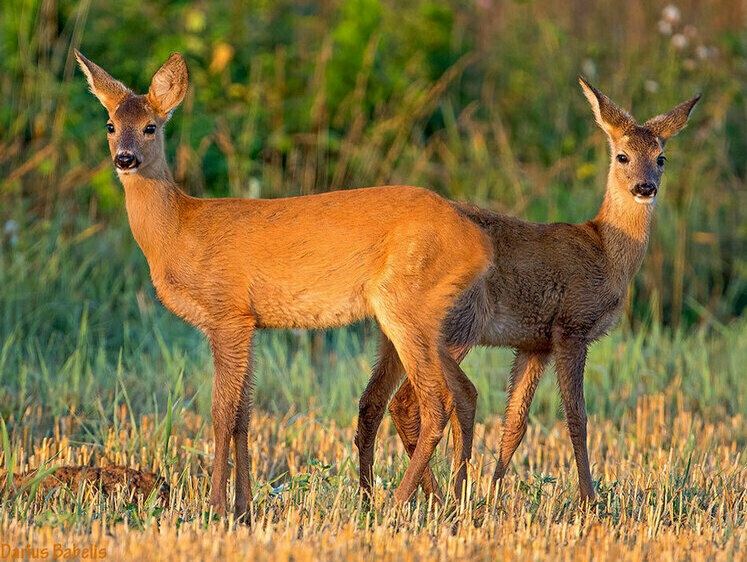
[232, 266]
[551, 291]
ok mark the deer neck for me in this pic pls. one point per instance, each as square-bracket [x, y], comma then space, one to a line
[153, 202]
[623, 226]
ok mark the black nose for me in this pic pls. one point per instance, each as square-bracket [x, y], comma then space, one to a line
[125, 160]
[644, 189]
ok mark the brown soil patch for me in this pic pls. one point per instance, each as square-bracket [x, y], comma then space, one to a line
[107, 479]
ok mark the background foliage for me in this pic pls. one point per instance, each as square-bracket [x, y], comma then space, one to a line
[476, 100]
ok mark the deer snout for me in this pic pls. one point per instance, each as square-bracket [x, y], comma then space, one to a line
[126, 160]
[645, 189]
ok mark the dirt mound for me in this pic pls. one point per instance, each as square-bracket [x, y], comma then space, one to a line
[107, 478]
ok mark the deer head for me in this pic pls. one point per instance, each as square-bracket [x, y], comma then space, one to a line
[135, 125]
[637, 150]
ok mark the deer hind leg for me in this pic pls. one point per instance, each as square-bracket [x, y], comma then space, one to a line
[427, 375]
[232, 394]
[384, 379]
[411, 300]
[405, 413]
[525, 374]
[416, 338]
[570, 359]
[436, 382]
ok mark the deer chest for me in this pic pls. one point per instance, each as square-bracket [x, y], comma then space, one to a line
[176, 295]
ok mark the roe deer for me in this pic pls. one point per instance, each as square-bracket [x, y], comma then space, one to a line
[231, 266]
[551, 291]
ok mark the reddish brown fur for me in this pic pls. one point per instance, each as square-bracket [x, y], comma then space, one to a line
[108, 479]
[551, 291]
[232, 266]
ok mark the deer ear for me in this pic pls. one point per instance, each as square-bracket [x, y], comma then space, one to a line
[109, 91]
[613, 120]
[169, 85]
[666, 125]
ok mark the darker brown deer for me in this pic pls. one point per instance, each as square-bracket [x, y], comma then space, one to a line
[232, 266]
[551, 290]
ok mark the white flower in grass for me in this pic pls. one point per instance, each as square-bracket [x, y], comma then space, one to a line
[664, 27]
[671, 14]
[651, 86]
[679, 41]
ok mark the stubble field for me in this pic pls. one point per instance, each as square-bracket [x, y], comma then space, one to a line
[670, 487]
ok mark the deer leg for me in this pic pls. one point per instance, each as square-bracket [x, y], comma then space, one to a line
[417, 342]
[405, 414]
[412, 308]
[462, 422]
[427, 375]
[243, 495]
[570, 359]
[232, 391]
[525, 374]
[384, 379]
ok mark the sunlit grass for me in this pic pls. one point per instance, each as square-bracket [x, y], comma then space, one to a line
[669, 485]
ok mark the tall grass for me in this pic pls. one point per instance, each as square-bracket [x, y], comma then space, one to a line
[477, 102]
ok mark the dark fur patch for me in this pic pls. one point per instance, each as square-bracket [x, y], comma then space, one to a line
[641, 138]
[132, 106]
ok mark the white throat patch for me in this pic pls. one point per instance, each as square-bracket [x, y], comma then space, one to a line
[127, 172]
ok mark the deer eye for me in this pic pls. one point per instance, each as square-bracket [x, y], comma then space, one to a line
[660, 160]
[622, 159]
[110, 127]
[149, 129]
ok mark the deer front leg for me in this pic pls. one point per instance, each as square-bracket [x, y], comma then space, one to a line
[462, 422]
[243, 495]
[232, 395]
[570, 359]
[525, 374]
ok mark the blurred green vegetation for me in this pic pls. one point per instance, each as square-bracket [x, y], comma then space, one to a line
[478, 101]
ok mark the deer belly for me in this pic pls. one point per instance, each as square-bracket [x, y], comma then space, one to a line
[507, 328]
[282, 307]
